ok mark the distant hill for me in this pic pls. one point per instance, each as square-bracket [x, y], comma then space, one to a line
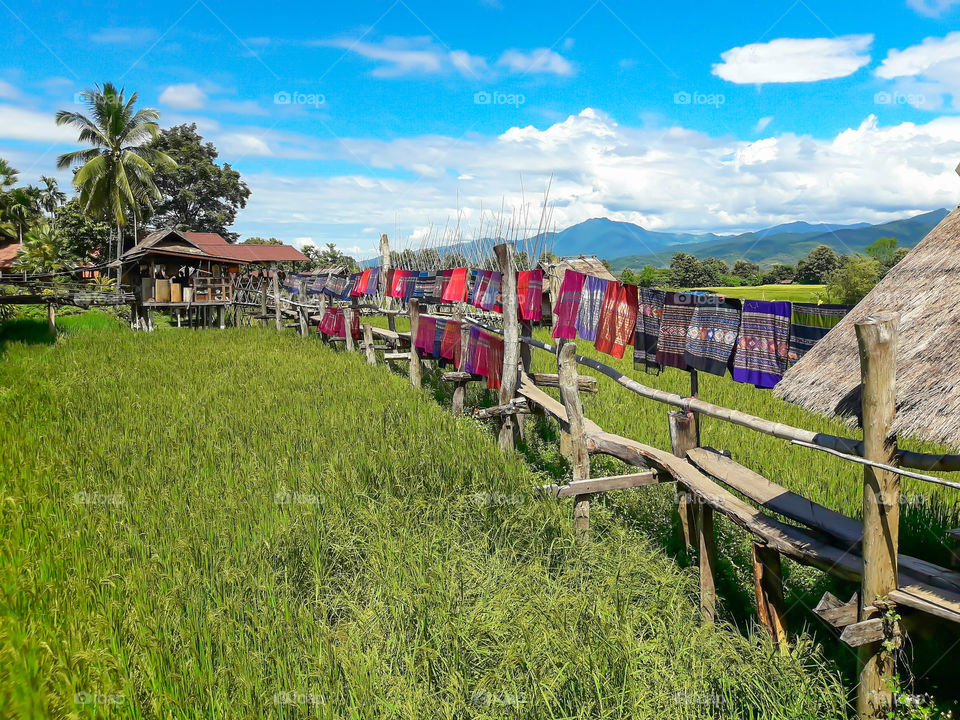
[628, 245]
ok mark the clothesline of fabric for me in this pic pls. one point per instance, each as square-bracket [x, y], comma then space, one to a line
[756, 340]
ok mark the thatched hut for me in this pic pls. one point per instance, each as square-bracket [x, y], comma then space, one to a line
[553, 275]
[924, 289]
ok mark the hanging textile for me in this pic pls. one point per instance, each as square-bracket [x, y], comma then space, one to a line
[712, 336]
[618, 319]
[591, 301]
[530, 294]
[334, 323]
[494, 361]
[469, 361]
[328, 323]
[425, 332]
[291, 283]
[441, 326]
[348, 288]
[361, 286]
[764, 344]
[647, 330]
[491, 294]
[396, 283]
[316, 287]
[455, 289]
[809, 323]
[373, 282]
[674, 323]
[450, 343]
[480, 287]
[335, 285]
[568, 305]
[481, 358]
[409, 284]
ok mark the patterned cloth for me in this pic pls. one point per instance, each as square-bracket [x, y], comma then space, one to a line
[494, 362]
[348, 288]
[334, 323]
[450, 343]
[809, 323]
[647, 330]
[481, 359]
[530, 294]
[316, 287]
[481, 281]
[373, 284]
[618, 319]
[291, 283]
[712, 335]
[361, 287]
[441, 326]
[426, 329]
[672, 341]
[470, 361]
[456, 288]
[568, 305]
[491, 295]
[336, 285]
[591, 300]
[764, 344]
[409, 284]
[394, 283]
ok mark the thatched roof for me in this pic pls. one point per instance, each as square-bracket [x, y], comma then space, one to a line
[586, 264]
[924, 288]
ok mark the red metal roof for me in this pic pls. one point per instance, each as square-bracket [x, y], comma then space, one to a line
[214, 244]
[8, 253]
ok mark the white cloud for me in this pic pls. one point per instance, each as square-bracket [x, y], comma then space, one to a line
[399, 56]
[763, 123]
[186, 96]
[788, 60]
[241, 144]
[932, 8]
[125, 36]
[536, 62]
[18, 123]
[924, 73]
[922, 58]
[8, 91]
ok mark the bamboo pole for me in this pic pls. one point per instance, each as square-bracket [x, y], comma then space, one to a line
[877, 340]
[416, 370]
[263, 301]
[511, 345]
[579, 457]
[385, 265]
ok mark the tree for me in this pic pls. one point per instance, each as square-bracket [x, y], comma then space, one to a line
[197, 195]
[854, 279]
[116, 173]
[778, 273]
[329, 257]
[745, 269]
[8, 175]
[629, 277]
[653, 277]
[883, 250]
[86, 237]
[261, 241]
[51, 196]
[818, 266]
[686, 270]
[44, 250]
[21, 208]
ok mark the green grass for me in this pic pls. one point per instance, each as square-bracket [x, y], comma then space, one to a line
[793, 293]
[200, 525]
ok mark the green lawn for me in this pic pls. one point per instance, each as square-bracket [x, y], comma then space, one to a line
[793, 293]
[232, 524]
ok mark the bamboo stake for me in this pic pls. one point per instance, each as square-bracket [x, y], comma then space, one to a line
[579, 457]
[877, 339]
[511, 346]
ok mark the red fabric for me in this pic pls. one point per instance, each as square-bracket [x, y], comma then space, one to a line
[425, 332]
[530, 294]
[482, 283]
[568, 305]
[456, 288]
[361, 287]
[450, 343]
[618, 319]
[397, 283]
[328, 323]
[495, 362]
[481, 360]
[333, 323]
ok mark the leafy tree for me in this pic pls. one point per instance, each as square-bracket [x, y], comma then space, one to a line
[87, 238]
[329, 257]
[745, 269]
[851, 282]
[686, 270]
[50, 195]
[899, 255]
[883, 250]
[715, 269]
[196, 195]
[116, 173]
[8, 175]
[44, 250]
[778, 273]
[21, 208]
[818, 266]
[261, 241]
[630, 277]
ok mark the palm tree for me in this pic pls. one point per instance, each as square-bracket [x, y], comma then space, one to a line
[116, 173]
[51, 196]
[20, 207]
[8, 175]
[44, 250]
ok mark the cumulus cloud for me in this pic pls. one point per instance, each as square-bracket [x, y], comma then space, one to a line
[789, 60]
[542, 61]
[925, 72]
[18, 123]
[659, 177]
[186, 96]
[932, 8]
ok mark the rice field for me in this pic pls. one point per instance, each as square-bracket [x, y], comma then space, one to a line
[792, 293]
[232, 524]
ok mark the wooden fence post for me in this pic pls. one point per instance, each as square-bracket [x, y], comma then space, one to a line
[511, 349]
[877, 339]
[304, 321]
[385, 265]
[579, 458]
[415, 367]
[276, 298]
[348, 328]
[368, 344]
[708, 562]
[460, 388]
[526, 361]
[263, 301]
[684, 436]
[768, 587]
[51, 318]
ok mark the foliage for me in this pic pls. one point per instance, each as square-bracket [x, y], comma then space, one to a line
[327, 554]
[8, 175]
[50, 196]
[116, 174]
[854, 279]
[329, 257]
[883, 250]
[86, 238]
[44, 250]
[261, 241]
[745, 269]
[196, 195]
[688, 270]
[21, 208]
[818, 266]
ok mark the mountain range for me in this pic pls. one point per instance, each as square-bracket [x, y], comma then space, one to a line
[625, 244]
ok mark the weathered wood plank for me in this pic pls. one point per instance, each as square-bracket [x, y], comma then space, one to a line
[551, 406]
[585, 383]
[834, 611]
[604, 484]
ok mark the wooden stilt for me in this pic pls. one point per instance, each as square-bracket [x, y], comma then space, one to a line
[348, 328]
[684, 437]
[509, 431]
[276, 299]
[460, 388]
[768, 588]
[52, 318]
[416, 370]
[708, 562]
[877, 339]
[368, 344]
[580, 459]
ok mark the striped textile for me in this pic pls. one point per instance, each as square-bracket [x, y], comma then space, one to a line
[809, 323]
[373, 282]
[456, 288]
[481, 281]
[426, 329]
[316, 287]
[441, 326]
[672, 341]
[335, 285]
[395, 283]
[481, 357]
[470, 361]
[712, 335]
[334, 323]
[764, 344]
[591, 300]
[568, 305]
[450, 343]
[494, 362]
[491, 295]
[618, 319]
[530, 294]
[291, 283]
[348, 288]
[361, 287]
[647, 330]
[409, 284]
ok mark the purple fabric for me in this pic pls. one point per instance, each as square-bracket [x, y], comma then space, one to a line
[591, 300]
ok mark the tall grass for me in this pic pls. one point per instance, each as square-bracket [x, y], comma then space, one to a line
[240, 524]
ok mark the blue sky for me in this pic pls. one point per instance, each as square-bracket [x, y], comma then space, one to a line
[401, 116]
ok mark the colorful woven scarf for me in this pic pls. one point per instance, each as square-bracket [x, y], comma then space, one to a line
[316, 287]
[491, 293]
[530, 294]
[425, 332]
[335, 285]
[481, 358]
[441, 326]
[373, 282]
[450, 343]
[672, 341]
[618, 319]
[647, 330]
[361, 285]
[591, 301]
[481, 281]
[494, 361]
[348, 288]
[568, 304]
[469, 363]
[409, 284]
[328, 323]
[809, 323]
[456, 287]
[712, 335]
[395, 283]
[764, 344]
